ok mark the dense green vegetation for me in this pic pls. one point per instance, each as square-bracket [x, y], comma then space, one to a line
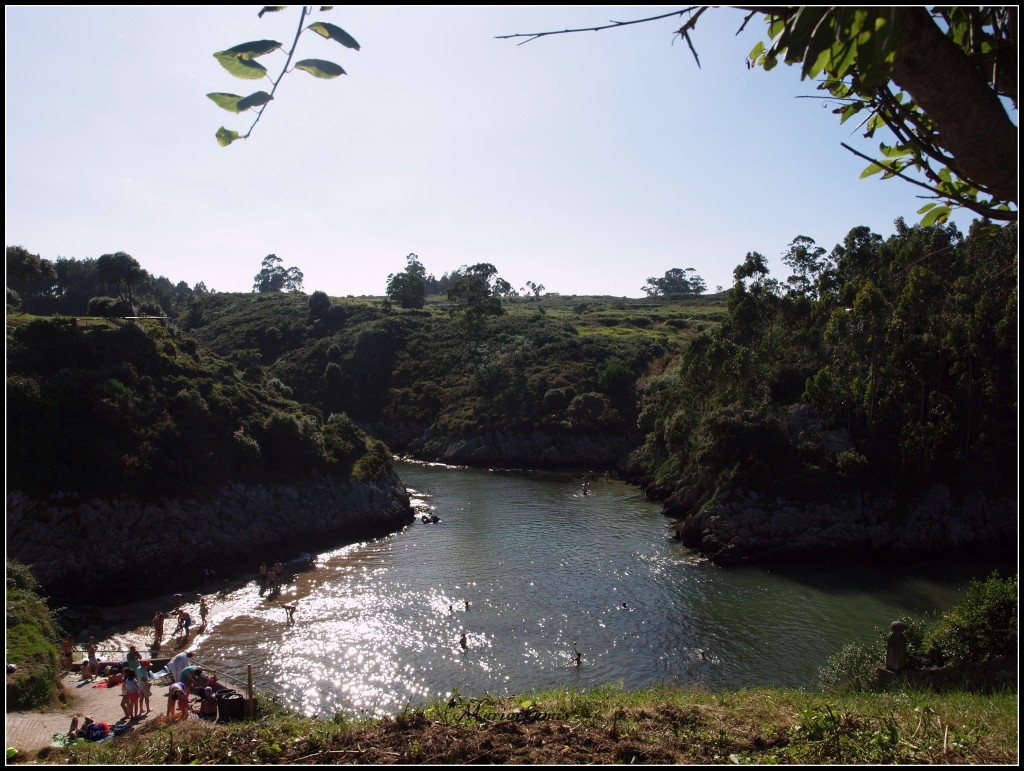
[133, 409]
[981, 626]
[31, 643]
[906, 348]
[556, 365]
[889, 355]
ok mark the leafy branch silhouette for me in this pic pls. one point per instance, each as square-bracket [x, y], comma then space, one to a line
[240, 61]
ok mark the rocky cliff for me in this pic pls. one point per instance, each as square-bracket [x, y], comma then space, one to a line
[534, 449]
[746, 527]
[85, 550]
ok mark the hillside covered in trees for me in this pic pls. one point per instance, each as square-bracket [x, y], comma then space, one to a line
[880, 368]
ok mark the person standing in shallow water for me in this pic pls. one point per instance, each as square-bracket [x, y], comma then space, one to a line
[158, 628]
[264, 571]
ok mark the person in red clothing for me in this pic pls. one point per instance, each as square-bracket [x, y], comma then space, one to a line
[89, 729]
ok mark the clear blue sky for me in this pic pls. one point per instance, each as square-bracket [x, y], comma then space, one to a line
[584, 162]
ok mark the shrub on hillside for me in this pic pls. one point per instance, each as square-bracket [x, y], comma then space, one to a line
[981, 625]
[31, 643]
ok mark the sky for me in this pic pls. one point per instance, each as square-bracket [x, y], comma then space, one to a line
[586, 162]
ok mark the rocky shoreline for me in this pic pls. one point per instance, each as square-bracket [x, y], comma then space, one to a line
[747, 527]
[80, 549]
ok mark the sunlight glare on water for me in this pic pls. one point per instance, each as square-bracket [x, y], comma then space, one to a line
[530, 570]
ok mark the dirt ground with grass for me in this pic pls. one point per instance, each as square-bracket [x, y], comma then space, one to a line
[648, 739]
[34, 730]
[755, 727]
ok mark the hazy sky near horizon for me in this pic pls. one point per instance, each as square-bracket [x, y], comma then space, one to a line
[585, 162]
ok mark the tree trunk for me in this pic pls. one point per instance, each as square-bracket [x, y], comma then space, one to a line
[972, 122]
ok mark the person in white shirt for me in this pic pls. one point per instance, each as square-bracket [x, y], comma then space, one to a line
[176, 665]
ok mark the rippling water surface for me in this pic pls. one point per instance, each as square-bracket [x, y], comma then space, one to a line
[530, 569]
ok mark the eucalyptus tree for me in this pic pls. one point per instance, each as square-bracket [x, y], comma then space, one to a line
[28, 275]
[121, 271]
[408, 289]
[475, 295]
[677, 281]
[274, 277]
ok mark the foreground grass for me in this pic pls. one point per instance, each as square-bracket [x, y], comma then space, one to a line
[604, 726]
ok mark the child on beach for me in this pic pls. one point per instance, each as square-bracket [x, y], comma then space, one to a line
[208, 706]
[94, 665]
[145, 679]
[130, 694]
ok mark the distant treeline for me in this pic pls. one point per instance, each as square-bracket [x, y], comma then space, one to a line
[884, 363]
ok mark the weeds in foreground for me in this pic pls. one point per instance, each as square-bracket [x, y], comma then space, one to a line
[604, 726]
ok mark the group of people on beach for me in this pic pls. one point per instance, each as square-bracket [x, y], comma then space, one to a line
[271, 578]
[184, 619]
[188, 678]
[136, 677]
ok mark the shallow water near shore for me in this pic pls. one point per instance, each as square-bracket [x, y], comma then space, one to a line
[532, 568]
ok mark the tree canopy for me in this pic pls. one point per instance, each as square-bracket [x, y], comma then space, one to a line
[408, 289]
[675, 282]
[477, 291]
[943, 81]
[27, 273]
[274, 277]
[122, 271]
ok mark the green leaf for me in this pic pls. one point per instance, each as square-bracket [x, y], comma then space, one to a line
[271, 9]
[225, 137]
[320, 68]
[874, 168]
[926, 207]
[851, 110]
[252, 49]
[228, 102]
[939, 214]
[240, 68]
[756, 51]
[254, 100]
[813, 69]
[332, 32]
[895, 152]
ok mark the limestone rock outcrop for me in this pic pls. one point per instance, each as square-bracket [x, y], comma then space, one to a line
[78, 548]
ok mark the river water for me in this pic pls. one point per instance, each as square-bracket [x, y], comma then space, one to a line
[532, 568]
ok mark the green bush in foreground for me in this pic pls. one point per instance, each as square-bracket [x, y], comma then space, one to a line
[983, 624]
